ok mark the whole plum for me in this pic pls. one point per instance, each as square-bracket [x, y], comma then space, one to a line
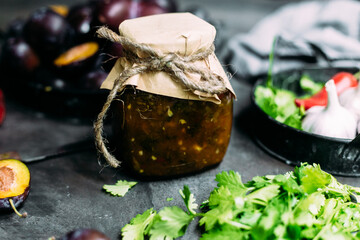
[113, 12]
[92, 80]
[81, 19]
[110, 53]
[15, 28]
[18, 57]
[47, 32]
[85, 234]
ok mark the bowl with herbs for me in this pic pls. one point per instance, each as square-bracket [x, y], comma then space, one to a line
[311, 115]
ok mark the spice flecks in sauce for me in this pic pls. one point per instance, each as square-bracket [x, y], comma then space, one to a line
[180, 133]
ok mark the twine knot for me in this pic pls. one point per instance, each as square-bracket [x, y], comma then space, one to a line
[177, 66]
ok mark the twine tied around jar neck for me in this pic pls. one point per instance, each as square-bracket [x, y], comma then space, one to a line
[172, 63]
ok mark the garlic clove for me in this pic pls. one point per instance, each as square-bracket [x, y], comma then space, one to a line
[333, 120]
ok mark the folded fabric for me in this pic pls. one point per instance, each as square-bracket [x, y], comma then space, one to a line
[321, 33]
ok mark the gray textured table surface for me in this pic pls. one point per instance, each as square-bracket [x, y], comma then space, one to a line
[66, 192]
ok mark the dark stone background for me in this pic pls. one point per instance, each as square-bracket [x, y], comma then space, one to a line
[66, 192]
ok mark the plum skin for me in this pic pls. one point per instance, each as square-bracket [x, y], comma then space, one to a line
[81, 19]
[15, 184]
[47, 32]
[92, 80]
[19, 56]
[85, 234]
[113, 12]
[18, 201]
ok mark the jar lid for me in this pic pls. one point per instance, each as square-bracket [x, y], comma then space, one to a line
[183, 33]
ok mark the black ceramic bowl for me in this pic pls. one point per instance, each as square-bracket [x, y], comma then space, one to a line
[293, 146]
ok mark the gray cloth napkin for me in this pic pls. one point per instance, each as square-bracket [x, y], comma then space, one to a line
[321, 33]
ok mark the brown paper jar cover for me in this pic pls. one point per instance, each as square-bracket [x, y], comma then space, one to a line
[161, 129]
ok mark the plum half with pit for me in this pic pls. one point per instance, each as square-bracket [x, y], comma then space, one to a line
[18, 57]
[14, 185]
[85, 234]
[47, 32]
[78, 60]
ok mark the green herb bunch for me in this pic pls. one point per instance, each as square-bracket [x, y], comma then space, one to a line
[307, 203]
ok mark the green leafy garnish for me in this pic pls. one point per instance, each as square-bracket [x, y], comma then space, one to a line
[139, 226]
[120, 188]
[280, 105]
[309, 86]
[170, 223]
[307, 203]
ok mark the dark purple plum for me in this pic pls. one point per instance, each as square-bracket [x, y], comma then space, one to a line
[15, 185]
[110, 53]
[48, 33]
[92, 80]
[15, 28]
[113, 12]
[18, 57]
[81, 19]
[85, 234]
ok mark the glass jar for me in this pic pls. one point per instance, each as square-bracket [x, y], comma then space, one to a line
[161, 136]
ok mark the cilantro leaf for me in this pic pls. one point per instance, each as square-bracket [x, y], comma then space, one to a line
[264, 195]
[120, 188]
[312, 178]
[232, 180]
[189, 200]
[225, 232]
[138, 226]
[170, 223]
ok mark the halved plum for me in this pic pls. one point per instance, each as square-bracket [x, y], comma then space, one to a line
[14, 185]
[62, 10]
[77, 60]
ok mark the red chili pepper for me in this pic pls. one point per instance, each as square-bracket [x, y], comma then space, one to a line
[343, 81]
[2, 107]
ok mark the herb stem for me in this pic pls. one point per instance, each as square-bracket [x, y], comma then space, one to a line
[271, 63]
